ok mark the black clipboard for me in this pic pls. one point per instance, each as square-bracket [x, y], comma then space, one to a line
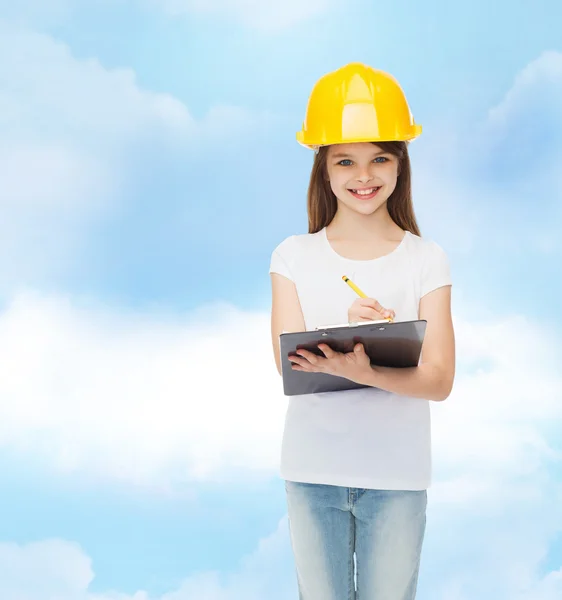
[394, 344]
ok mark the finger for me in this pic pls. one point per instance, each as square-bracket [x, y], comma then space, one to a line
[370, 314]
[299, 364]
[327, 351]
[371, 303]
[309, 356]
[359, 349]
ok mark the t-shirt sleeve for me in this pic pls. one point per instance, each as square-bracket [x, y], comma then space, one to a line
[436, 271]
[282, 259]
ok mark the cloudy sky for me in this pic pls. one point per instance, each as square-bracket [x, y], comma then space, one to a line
[148, 167]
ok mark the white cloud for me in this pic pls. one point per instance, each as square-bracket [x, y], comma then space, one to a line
[175, 400]
[64, 125]
[526, 128]
[70, 132]
[50, 190]
[35, 11]
[195, 396]
[523, 134]
[268, 17]
[265, 16]
[539, 84]
[53, 94]
[267, 572]
[60, 570]
[494, 507]
[434, 194]
[494, 441]
[495, 184]
[170, 398]
[46, 570]
[503, 564]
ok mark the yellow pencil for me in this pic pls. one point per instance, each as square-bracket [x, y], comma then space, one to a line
[354, 287]
[358, 291]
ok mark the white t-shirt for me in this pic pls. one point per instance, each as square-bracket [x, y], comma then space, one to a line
[365, 438]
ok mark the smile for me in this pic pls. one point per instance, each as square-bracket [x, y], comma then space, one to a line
[365, 193]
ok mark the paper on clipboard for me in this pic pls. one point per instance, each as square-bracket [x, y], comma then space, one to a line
[358, 324]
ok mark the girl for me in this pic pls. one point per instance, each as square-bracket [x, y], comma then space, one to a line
[357, 463]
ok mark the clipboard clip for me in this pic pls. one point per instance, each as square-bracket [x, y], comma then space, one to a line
[354, 324]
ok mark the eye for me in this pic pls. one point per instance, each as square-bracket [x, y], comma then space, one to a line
[345, 160]
[381, 158]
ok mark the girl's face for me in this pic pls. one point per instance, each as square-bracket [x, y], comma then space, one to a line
[361, 175]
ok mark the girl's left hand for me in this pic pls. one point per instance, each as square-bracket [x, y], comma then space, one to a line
[351, 365]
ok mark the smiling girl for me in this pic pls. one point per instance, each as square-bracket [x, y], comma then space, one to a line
[357, 463]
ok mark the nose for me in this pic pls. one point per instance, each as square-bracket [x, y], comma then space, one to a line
[364, 174]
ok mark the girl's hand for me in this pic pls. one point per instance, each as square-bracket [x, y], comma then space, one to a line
[368, 309]
[351, 365]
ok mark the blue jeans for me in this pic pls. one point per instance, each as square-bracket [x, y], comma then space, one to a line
[384, 528]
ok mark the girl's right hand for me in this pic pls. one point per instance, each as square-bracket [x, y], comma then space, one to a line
[368, 309]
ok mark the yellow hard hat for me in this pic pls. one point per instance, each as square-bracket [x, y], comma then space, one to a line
[357, 103]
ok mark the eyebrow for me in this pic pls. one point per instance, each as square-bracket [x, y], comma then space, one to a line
[344, 155]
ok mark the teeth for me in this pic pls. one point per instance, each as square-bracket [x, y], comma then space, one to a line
[365, 192]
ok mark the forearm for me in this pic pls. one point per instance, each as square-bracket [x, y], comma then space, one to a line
[425, 381]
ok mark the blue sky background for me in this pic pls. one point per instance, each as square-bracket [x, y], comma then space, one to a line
[148, 167]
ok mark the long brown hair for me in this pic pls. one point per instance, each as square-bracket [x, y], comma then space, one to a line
[322, 203]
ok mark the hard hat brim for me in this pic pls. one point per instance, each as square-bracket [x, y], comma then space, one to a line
[313, 144]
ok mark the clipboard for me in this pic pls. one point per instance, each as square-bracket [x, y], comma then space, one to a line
[388, 344]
